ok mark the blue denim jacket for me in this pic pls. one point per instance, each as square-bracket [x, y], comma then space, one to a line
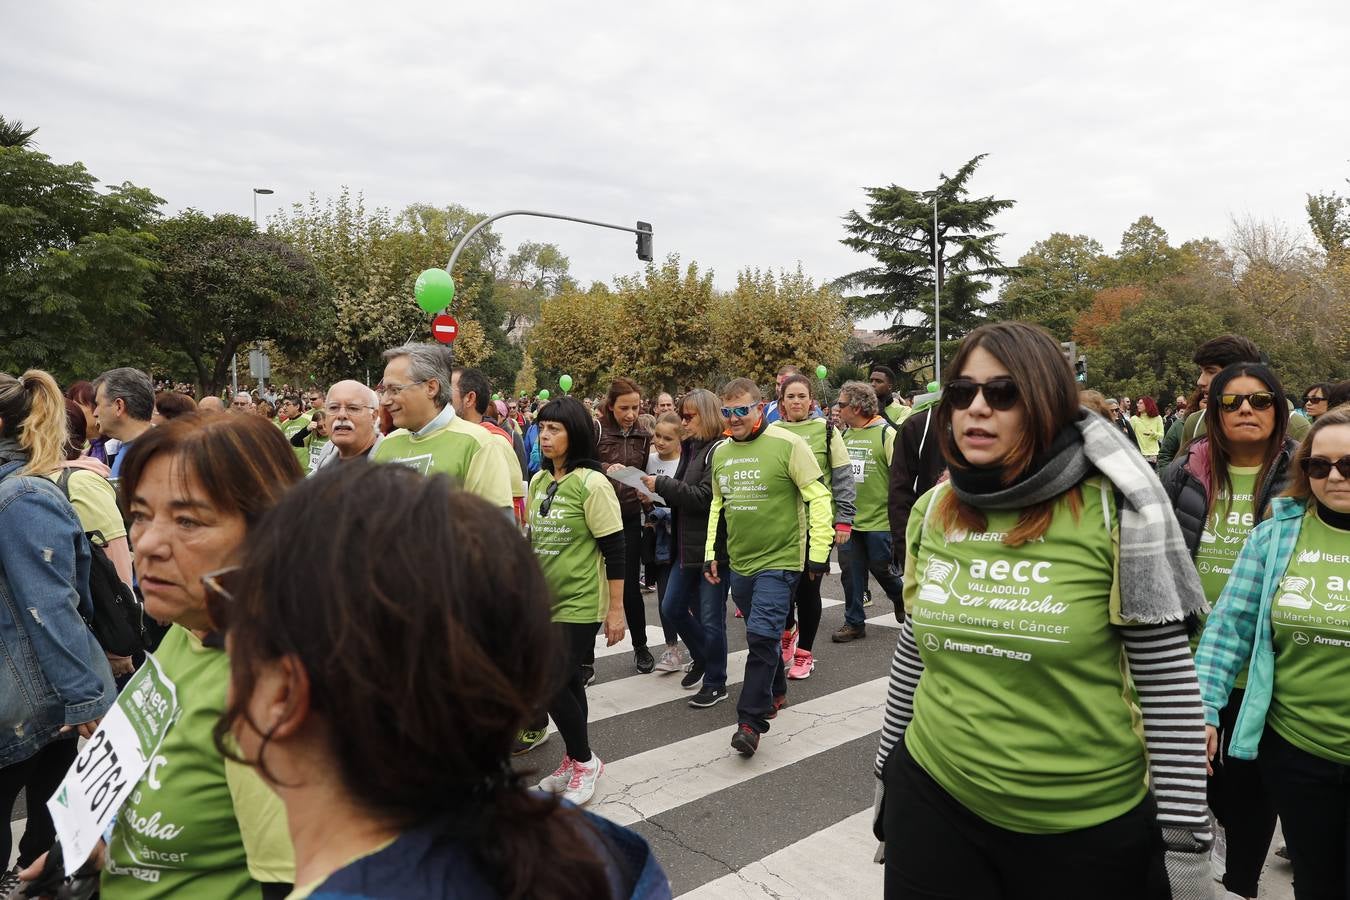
[55, 673]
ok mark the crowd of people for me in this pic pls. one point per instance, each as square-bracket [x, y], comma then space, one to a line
[1120, 622]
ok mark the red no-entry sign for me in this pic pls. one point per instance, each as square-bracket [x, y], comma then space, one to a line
[444, 328]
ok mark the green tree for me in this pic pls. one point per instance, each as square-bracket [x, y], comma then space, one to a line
[222, 286]
[1057, 278]
[14, 134]
[897, 231]
[1145, 256]
[1329, 219]
[533, 273]
[770, 320]
[665, 337]
[578, 334]
[74, 264]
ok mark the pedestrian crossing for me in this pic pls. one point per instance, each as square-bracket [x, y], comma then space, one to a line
[781, 823]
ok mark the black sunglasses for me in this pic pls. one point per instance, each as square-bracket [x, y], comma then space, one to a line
[1000, 393]
[1258, 400]
[222, 587]
[1320, 467]
[1314, 398]
[548, 500]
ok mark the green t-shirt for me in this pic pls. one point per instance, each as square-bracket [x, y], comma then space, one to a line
[289, 428]
[461, 450]
[1311, 622]
[814, 432]
[870, 449]
[197, 825]
[95, 502]
[313, 450]
[762, 487]
[897, 412]
[1025, 711]
[584, 508]
[1230, 524]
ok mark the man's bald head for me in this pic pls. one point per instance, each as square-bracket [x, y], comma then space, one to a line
[210, 403]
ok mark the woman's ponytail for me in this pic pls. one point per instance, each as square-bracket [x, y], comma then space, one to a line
[43, 433]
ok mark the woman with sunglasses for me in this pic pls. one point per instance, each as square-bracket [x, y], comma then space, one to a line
[1220, 487]
[827, 444]
[198, 824]
[1315, 400]
[577, 532]
[1043, 735]
[1282, 618]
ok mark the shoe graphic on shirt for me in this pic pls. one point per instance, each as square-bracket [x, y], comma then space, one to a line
[1294, 590]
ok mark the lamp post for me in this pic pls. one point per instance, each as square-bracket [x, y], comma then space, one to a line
[256, 192]
[937, 309]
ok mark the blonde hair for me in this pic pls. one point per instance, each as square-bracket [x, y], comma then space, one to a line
[33, 411]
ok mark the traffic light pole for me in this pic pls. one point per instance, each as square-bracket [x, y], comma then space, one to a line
[640, 231]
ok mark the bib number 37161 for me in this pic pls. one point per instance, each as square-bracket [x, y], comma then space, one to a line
[110, 765]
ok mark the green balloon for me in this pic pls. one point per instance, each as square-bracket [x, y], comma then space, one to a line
[434, 290]
[565, 382]
[496, 396]
[821, 372]
[543, 395]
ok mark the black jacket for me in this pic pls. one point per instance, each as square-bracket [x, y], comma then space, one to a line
[1187, 484]
[916, 466]
[689, 495]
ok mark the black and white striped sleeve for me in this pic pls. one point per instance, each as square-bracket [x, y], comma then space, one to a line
[906, 667]
[1174, 724]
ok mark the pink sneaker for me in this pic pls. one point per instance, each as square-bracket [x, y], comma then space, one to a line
[789, 645]
[803, 664]
[557, 782]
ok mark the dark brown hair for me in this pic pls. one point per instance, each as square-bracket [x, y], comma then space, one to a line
[418, 686]
[77, 428]
[1225, 350]
[1048, 398]
[617, 388]
[1299, 487]
[1220, 450]
[171, 404]
[82, 392]
[242, 462]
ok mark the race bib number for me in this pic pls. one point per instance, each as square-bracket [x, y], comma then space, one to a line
[113, 761]
[858, 459]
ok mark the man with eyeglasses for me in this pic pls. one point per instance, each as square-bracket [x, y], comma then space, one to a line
[430, 437]
[353, 424]
[870, 441]
[765, 484]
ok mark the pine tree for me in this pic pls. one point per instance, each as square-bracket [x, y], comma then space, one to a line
[897, 231]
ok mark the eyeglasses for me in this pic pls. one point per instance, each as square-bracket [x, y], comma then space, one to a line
[1258, 400]
[548, 500]
[1000, 393]
[688, 417]
[1320, 467]
[221, 589]
[393, 390]
[738, 412]
[1314, 398]
[343, 409]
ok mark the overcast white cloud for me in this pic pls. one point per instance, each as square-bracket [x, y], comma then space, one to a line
[742, 131]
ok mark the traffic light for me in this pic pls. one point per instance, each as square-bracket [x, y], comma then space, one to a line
[644, 241]
[1080, 369]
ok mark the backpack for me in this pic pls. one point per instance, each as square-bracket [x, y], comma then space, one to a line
[118, 619]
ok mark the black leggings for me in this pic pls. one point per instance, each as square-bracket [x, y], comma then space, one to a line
[1313, 797]
[805, 610]
[634, 607]
[1238, 797]
[568, 706]
[936, 849]
[39, 775]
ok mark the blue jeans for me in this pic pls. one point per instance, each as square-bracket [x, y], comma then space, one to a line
[764, 599]
[868, 552]
[684, 592]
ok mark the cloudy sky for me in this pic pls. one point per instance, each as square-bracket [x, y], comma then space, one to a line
[742, 130]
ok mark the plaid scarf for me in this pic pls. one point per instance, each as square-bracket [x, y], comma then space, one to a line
[1158, 580]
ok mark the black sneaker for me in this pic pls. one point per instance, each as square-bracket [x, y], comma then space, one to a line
[642, 658]
[693, 676]
[745, 741]
[587, 675]
[846, 633]
[708, 696]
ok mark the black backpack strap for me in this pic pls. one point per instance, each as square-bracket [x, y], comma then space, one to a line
[63, 481]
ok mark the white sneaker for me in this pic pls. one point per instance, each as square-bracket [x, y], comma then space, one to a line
[670, 660]
[584, 776]
[1218, 853]
[558, 781]
[682, 659]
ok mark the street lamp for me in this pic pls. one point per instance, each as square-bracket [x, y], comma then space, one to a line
[256, 192]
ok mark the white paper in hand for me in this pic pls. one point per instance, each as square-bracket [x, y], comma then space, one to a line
[631, 477]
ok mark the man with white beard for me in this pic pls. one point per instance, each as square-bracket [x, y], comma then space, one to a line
[353, 429]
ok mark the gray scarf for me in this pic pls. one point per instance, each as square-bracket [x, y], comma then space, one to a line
[1158, 580]
[10, 451]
